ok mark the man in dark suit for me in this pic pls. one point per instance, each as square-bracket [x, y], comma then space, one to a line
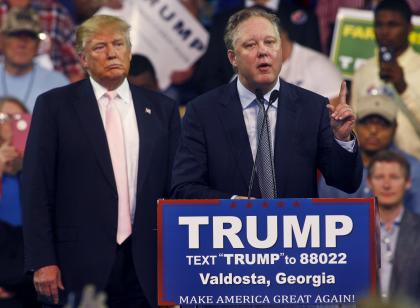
[99, 155]
[389, 179]
[221, 128]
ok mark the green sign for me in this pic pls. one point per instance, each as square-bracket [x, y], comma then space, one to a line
[354, 40]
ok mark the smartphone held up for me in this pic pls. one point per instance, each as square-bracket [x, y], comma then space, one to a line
[386, 55]
[19, 125]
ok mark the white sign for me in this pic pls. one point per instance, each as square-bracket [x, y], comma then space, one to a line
[165, 32]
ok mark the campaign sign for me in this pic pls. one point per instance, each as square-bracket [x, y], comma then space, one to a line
[354, 39]
[284, 251]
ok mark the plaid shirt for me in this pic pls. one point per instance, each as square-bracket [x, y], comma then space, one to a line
[59, 28]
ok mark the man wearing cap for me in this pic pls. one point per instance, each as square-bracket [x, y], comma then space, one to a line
[396, 73]
[58, 50]
[20, 76]
[375, 128]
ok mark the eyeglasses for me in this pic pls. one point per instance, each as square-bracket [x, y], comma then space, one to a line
[5, 117]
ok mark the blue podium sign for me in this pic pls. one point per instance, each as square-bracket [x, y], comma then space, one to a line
[283, 251]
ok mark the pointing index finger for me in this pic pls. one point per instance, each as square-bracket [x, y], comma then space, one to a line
[343, 92]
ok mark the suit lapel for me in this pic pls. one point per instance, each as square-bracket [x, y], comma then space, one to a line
[87, 109]
[285, 131]
[233, 122]
[405, 239]
[145, 117]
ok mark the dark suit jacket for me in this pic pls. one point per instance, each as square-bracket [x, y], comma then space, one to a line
[12, 277]
[11, 254]
[69, 193]
[214, 157]
[405, 277]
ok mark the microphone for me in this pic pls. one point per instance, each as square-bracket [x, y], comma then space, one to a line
[260, 97]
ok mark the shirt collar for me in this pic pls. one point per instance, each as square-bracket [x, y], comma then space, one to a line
[406, 58]
[247, 97]
[123, 91]
[271, 4]
[397, 220]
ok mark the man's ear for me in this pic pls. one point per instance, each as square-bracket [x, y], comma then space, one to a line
[408, 184]
[232, 57]
[394, 130]
[82, 58]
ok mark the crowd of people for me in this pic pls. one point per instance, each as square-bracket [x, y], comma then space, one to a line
[105, 142]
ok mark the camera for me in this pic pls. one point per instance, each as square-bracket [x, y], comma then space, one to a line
[386, 54]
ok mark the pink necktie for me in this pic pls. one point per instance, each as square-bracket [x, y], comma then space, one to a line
[115, 137]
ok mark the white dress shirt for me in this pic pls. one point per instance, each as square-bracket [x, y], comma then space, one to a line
[389, 240]
[125, 106]
[250, 111]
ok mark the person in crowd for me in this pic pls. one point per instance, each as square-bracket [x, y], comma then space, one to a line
[399, 274]
[309, 68]
[99, 154]
[10, 161]
[57, 50]
[219, 142]
[16, 289]
[214, 69]
[142, 73]
[394, 71]
[326, 11]
[375, 129]
[20, 75]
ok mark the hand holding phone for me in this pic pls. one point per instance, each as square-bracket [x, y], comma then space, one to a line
[386, 56]
[390, 70]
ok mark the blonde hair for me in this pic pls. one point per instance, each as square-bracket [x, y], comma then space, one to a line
[97, 24]
[239, 17]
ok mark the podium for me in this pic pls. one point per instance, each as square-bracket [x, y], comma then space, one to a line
[281, 251]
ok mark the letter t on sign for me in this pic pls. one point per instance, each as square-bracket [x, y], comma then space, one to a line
[193, 224]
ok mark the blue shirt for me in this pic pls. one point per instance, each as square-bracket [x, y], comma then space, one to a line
[27, 87]
[10, 209]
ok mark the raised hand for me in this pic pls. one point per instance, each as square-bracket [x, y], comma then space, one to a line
[342, 117]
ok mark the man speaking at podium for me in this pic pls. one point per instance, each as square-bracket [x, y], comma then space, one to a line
[233, 148]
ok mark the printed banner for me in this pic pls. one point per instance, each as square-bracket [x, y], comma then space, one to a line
[285, 251]
[354, 39]
[165, 32]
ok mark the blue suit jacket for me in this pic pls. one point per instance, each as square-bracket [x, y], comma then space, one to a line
[214, 157]
[69, 195]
